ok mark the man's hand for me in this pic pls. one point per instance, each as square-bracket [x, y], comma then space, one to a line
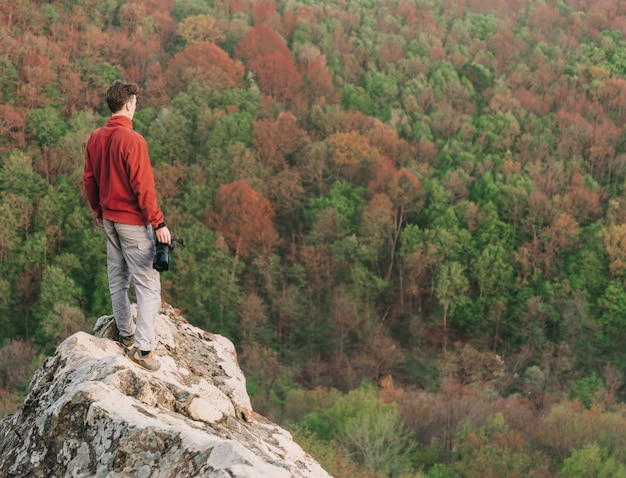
[99, 222]
[163, 235]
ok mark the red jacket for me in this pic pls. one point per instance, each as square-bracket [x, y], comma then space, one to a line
[118, 176]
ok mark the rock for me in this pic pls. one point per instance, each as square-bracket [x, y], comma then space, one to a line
[89, 412]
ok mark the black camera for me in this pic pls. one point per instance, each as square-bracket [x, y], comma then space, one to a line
[161, 260]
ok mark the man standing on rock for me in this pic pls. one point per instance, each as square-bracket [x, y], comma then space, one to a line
[119, 183]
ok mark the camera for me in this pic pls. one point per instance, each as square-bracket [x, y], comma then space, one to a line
[161, 260]
[161, 256]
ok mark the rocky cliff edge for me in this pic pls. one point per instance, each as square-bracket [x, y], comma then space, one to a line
[89, 412]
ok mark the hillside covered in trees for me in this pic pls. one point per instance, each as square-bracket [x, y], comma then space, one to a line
[408, 215]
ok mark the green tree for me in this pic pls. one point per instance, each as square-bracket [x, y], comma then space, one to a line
[170, 137]
[61, 322]
[592, 461]
[588, 390]
[8, 79]
[6, 327]
[612, 317]
[226, 130]
[204, 284]
[187, 8]
[371, 431]
[46, 125]
[58, 309]
[348, 200]
[450, 288]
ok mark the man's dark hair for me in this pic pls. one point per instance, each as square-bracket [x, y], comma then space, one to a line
[119, 93]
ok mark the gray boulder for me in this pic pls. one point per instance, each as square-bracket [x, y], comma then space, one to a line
[89, 412]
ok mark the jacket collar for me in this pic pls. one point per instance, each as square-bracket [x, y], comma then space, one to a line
[121, 120]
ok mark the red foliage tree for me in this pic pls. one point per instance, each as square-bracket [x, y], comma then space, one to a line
[264, 52]
[274, 143]
[613, 97]
[244, 217]
[318, 82]
[164, 24]
[11, 128]
[390, 53]
[74, 91]
[579, 201]
[265, 11]
[273, 140]
[386, 140]
[592, 140]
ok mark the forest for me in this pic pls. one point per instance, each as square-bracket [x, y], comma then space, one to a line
[408, 215]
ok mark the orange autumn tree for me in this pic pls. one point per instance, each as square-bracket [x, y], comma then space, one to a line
[614, 239]
[200, 28]
[351, 154]
[244, 217]
[207, 63]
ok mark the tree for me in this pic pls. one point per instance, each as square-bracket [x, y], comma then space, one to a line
[351, 154]
[62, 322]
[377, 227]
[493, 272]
[15, 219]
[275, 141]
[11, 128]
[46, 125]
[317, 80]
[611, 310]
[187, 8]
[205, 63]
[591, 460]
[200, 28]
[170, 137]
[264, 52]
[581, 200]
[450, 288]
[16, 357]
[8, 79]
[244, 218]
[207, 284]
[370, 430]
[614, 239]
[406, 195]
[497, 450]
[57, 309]
[253, 316]
[347, 199]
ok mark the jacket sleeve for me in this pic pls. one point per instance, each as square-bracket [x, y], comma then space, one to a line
[141, 178]
[91, 186]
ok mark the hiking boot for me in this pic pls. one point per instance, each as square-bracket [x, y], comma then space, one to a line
[149, 361]
[128, 342]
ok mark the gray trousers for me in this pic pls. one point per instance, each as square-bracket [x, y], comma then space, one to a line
[130, 250]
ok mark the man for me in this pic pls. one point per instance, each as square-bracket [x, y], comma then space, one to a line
[119, 183]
